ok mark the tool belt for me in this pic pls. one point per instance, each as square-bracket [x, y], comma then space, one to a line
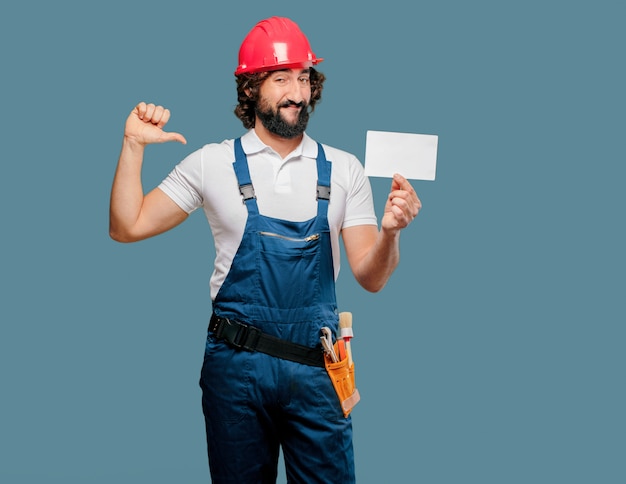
[246, 337]
[342, 376]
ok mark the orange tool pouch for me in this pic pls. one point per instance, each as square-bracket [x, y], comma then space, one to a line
[342, 377]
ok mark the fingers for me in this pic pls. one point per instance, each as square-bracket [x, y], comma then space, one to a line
[406, 208]
[151, 113]
[403, 202]
[157, 116]
[401, 183]
[403, 196]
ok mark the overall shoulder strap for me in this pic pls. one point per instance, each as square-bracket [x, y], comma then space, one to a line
[243, 178]
[324, 168]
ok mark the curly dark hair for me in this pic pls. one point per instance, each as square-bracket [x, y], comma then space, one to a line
[252, 83]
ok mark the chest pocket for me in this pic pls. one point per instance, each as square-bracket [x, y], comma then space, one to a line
[288, 269]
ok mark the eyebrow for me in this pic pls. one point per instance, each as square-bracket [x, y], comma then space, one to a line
[306, 70]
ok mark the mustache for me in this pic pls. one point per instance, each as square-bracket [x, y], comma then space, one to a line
[288, 104]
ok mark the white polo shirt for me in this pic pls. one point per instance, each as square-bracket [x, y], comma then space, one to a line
[285, 189]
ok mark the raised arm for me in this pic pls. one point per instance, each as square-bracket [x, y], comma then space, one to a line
[374, 254]
[134, 216]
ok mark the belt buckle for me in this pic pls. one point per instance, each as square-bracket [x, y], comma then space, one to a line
[247, 337]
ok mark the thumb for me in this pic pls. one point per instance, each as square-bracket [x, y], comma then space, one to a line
[173, 136]
[400, 183]
[395, 182]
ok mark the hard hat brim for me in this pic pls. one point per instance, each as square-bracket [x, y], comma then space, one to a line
[242, 69]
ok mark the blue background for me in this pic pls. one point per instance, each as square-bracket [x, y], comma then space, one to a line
[496, 352]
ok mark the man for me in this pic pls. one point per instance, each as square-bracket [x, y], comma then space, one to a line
[263, 381]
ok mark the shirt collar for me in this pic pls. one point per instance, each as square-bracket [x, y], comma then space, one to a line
[251, 145]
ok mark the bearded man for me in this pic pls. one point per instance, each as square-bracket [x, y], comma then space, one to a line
[278, 204]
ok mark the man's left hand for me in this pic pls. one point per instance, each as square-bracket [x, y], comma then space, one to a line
[402, 205]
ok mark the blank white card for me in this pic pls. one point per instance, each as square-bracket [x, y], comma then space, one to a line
[414, 156]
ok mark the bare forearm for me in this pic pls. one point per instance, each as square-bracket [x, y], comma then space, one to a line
[127, 191]
[374, 254]
[375, 268]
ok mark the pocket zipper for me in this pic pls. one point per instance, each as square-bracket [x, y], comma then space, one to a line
[310, 238]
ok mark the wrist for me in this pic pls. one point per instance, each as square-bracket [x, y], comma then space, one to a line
[132, 144]
[390, 233]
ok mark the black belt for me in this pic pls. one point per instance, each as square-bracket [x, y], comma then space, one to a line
[246, 337]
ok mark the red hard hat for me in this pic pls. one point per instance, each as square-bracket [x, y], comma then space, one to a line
[275, 43]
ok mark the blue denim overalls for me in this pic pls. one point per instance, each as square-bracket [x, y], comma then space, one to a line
[281, 282]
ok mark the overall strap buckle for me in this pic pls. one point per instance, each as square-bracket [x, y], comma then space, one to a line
[323, 192]
[247, 192]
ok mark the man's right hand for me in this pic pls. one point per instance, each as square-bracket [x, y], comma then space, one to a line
[145, 124]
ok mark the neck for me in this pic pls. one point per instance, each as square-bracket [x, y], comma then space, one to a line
[282, 146]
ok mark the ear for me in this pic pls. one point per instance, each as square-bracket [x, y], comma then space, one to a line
[248, 92]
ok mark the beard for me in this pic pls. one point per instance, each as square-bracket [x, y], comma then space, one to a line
[276, 124]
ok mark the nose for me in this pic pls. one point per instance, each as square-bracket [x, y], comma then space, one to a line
[296, 90]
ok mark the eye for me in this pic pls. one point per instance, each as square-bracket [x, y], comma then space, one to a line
[304, 80]
[278, 77]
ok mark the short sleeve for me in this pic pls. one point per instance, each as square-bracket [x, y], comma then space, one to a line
[359, 200]
[184, 183]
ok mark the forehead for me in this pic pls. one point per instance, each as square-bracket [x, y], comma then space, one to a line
[294, 72]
